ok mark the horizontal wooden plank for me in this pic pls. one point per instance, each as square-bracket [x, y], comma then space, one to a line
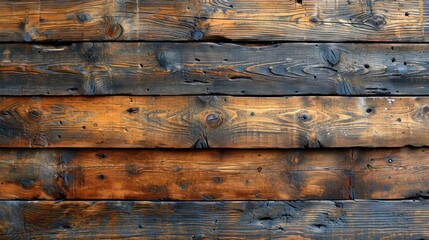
[300, 20]
[210, 68]
[213, 220]
[214, 174]
[213, 121]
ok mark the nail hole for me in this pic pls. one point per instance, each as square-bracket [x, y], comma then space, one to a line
[370, 110]
[405, 63]
[366, 65]
[393, 59]
[390, 160]
[407, 14]
[84, 127]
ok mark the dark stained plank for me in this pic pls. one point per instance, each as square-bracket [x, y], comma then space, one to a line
[210, 68]
[213, 121]
[215, 220]
[214, 174]
[254, 20]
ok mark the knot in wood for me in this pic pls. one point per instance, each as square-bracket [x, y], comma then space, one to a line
[425, 110]
[304, 117]
[83, 17]
[113, 30]
[214, 119]
[34, 114]
[376, 21]
[332, 56]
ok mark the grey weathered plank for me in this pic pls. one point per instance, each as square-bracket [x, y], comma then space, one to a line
[210, 68]
[212, 220]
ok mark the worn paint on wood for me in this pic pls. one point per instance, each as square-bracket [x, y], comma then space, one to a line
[212, 220]
[196, 20]
[214, 174]
[213, 121]
[211, 68]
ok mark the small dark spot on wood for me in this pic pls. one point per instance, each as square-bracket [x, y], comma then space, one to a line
[59, 136]
[217, 179]
[399, 119]
[207, 197]
[214, 119]
[140, 226]
[199, 237]
[246, 181]
[405, 63]
[101, 155]
[197, 60]
[83, 127]
[314, 19]
[74, 89]
[425, 109]
[252, 114]
[132, 110]
[27, 37]
[393, 60]
[299, 1]
[259, 169]
[304, 117]
[366, 65]
[257, 195]
[407, 14]
[101, 177]
[132, 169]
[200, 144]
[369, 166]
[390, 160]
[66, 226]
[392, 48]
[28, 183]
[83, 17]
[197, 35]
[34, 114]
[370, 110]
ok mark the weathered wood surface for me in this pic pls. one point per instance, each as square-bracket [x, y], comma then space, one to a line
[214, 174]
[250, 20]
[210, 68]
[213, 220]
[213, 121]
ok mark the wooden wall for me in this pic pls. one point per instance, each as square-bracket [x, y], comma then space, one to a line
[214, 119]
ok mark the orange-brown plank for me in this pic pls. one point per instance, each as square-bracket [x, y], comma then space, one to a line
[214, 174]
[213, 121]
[214, 220]
[210, 68]
[260, 20]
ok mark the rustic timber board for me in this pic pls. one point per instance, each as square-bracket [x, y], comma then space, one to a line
[215, 220]
[213, 121]
[199, 20]
[214, 174]
[213, 68]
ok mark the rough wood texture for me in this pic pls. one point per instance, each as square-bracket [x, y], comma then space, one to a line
[210, 68]
[250, 20]
[213, 121]
[212, 220]
[214, 174]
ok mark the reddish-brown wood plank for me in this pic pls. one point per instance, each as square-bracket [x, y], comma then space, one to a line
[214, 174]
[213, 121]
[251, 20]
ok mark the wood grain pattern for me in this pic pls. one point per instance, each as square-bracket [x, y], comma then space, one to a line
[214, 174]
[195, 20]
[212, 220]
[210, 68]
[213, 121]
